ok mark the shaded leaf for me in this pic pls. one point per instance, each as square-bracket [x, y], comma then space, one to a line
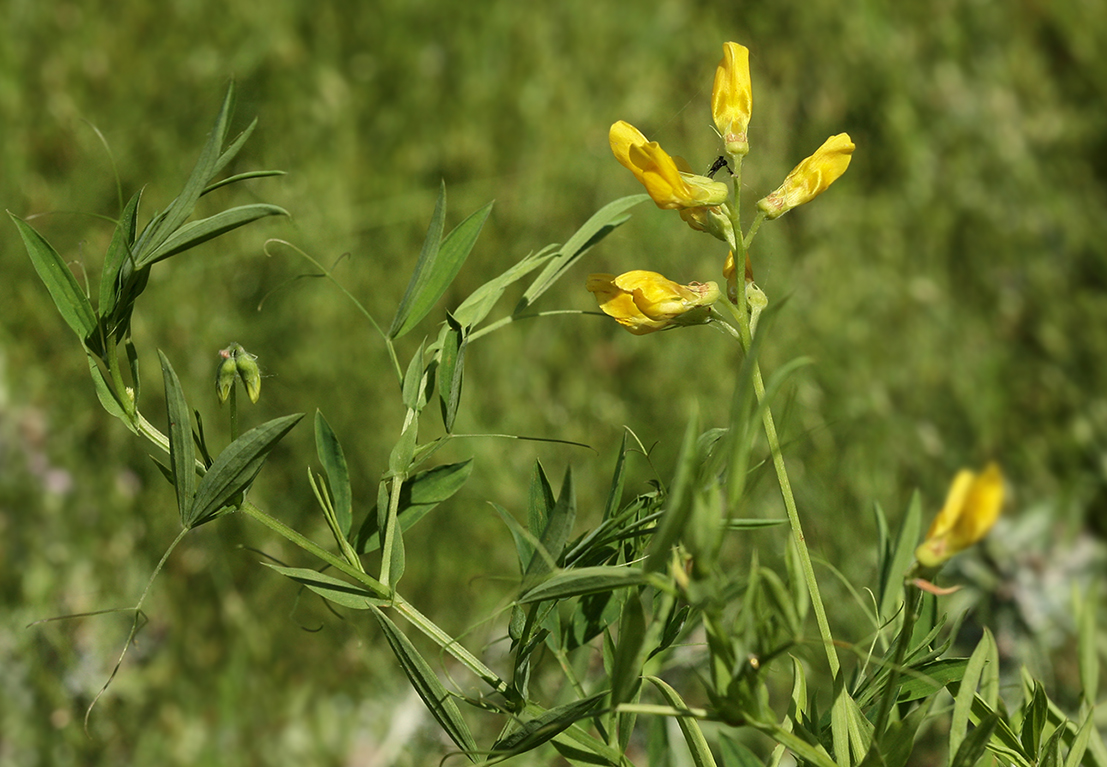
[972, 747]
[451, 370]
[693, 735]
[119, 251]
[474, 309]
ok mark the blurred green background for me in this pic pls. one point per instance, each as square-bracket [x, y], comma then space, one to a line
[951, 290]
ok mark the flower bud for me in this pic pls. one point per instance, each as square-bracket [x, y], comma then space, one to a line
[732, 99]
[644, 302]
[810, 178]
[237, 363]
[972, 508]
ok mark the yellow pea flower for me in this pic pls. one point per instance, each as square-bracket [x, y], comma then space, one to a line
[670, 187]
[644, 302]
[732, 98]
[811, 177]
[972, 508]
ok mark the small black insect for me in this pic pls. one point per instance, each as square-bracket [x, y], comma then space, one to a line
[717, 166]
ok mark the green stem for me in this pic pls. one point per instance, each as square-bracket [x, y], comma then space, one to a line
[234, 411]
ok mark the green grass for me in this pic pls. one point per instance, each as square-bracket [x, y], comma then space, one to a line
[950, 289]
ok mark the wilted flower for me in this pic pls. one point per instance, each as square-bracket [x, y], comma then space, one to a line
[667, 179]
[972, 508]
[811, 177]
[732, 98]
[644, 302]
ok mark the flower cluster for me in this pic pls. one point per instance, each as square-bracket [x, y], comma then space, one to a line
[705, 204]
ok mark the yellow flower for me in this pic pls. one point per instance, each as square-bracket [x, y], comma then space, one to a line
[811, 177]
[732, 98]
[672, 187]
[972, 508]
[644, 302]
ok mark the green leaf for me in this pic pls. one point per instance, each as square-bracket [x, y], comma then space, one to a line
[242, 176]
[618, 480]
[736, 754]
[182, 451]
[420, 494]
[972, 748]
[558, 528]
[540, 504]
[928, 678]
[235, 468]
[630, 653]
[1081, 741]
[413, 392]
[693, 735]
[428, 686]
[1034, 719]
[474, 309]
[106, 394]
[338, 475]
[579, 581]
[71, 301]
[119, 251]
[159, 229]
[601, 224]
[895, 567]
[534, 732]
[451, 370]
[420, 278]
[678, 506]
[338, 591]
[984, 653]
[195, 232]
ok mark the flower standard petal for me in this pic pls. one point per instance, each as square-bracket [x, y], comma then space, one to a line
[643, 301]
[811, 177]
[655, 169]
[971, 509]
[732, 98]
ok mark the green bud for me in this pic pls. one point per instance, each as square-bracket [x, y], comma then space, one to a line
[224, 378]
[251, 375]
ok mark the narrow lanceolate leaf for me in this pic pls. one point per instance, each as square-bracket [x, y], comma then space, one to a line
[182, 451]
[534, 732]
[966, 694]
[558, 528]
[419, 495]
[71, 301]
[451, 370]
[340, 592]
[972, 747]
[119, 251]
[338, 475]
[444, 268]
[630, 653]
[602, 223]
[891, 579]
[618, 479]
[693, 735]
[678, 505]
[428, 686]
[581, 581]
[235, 468]
[106, 394]
[195, 232]
[1086, 646]
[480, 302]
[242, 176]
[420, 278]
[159, 229]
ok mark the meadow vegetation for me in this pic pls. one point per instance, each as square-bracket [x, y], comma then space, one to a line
[949, 292]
